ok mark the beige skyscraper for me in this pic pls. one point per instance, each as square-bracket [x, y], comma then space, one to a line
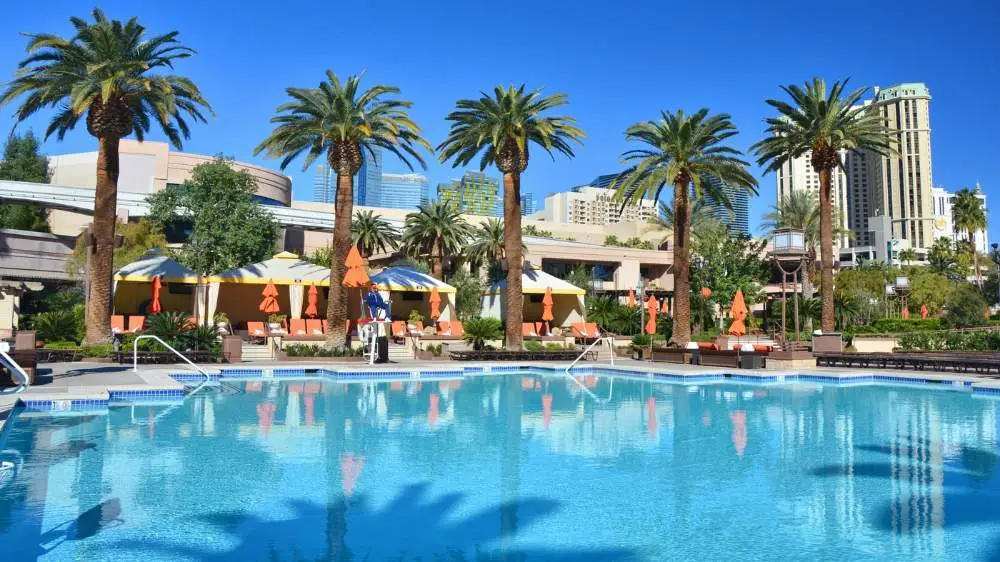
[901, 184]
[798, 174]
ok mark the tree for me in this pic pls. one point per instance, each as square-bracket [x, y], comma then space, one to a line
[969, 217]
[436, 230]
[22, 162]
[687, 153]
[966, 307]
[930, 289]
[228, 227]
[532, 230]
[341, 122]
[469, 290]
[822, 124]
[501, 127]
[112, 72]
[487, 246]
[907, 256]
[727, 263]
[580, 277]
[373, 234]
[702, 217]
[137, 238]
[633, 242]
[942, 258]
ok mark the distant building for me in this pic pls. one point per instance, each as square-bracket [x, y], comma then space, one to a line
[736, 219]
[798, 174]
[594, 203]
[403, 191]
[527, 204]
[944, 224]
[475, 194]
[367, 182]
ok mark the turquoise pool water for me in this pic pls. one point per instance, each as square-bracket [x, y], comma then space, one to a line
[511, 467]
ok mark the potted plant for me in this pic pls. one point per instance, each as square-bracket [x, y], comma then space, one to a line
[222, 322]
[640, 345]
[275, 321]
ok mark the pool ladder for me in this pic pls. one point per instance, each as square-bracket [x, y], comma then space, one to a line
[15, 369]
[135, 358]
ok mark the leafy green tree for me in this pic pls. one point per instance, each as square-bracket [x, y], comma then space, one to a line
[21, 161]
[436, 230]
[727, 263]
[341, 122]
[228, 227]
[122, 80]
[532, 230]
[822, 123]
[966, 307]
[469, 290]
[580, 277]
[136, 239]
[373, 234]
[689, 154]
[612, 240]
[969, 217]
[930, 289]
[502, 127]
[322, 257]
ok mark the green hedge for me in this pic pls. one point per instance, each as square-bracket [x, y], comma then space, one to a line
[305, 350]
[886, 326]
[980, 340]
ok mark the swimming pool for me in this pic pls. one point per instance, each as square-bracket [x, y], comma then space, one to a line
[508, 467]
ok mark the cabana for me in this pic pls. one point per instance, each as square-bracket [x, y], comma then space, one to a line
[133, 285]
[567, 299]
[237, 292]
[408, 289]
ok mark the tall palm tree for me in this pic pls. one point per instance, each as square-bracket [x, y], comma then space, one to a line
[704, 224]
[822, 123]
[119, 77]
[342, 122]
[969, 217]
[373, 234]
[501, 127]
[436, 230]
[685, 152]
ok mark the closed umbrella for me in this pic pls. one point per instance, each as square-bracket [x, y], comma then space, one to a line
[651, 308]
[665, 307]
[435, 300]
[356, 275]
[631, 298]
[155, 306]
[312, 302]
[906, 313]
[547, 315]
[923, 311]
[270, 303]
[739, 313]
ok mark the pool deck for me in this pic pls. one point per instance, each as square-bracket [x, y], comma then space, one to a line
[94, 383]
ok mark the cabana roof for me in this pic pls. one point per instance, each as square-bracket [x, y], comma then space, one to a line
[284, 268]
[535, 281]
[398, 278]
[154, 263]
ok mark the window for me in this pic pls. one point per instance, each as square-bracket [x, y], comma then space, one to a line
[412, 296]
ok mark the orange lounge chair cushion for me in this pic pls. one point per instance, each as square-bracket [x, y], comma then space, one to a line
[444, 328]
[457, 329]
[298, 327]
[314, 327]
[136, 323]
[528, 329]
[708, 345]
[398, 329]
[117, 324]
[256, 329]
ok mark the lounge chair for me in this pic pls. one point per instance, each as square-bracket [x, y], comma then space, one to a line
[415, 328]
[457, 329]
[315, 327]
[117, 324]
[446, 331]
[257, 330]
[529, 330]
[136, 324]
[398, 330]
[541, 330]
[297, 327]
[585, 331]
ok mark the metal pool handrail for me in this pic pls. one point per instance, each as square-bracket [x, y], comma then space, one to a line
[135, 356]
[611, 347]
[601, 401]
[15, 369]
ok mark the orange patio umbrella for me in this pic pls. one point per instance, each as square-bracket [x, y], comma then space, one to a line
[665, 307]
[547, 308]
[435, 301]
[631, 298]
[356, 275]
[155, 307]
[906, 313]
[270, 303]
[312, 302]
[351, 466]
[546, 410]
[651, 307]
[739, 312]
[923, 311]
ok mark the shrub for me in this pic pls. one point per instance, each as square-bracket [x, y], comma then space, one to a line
[168, 326]
[415, 316]
[97, 350]
[276, 318]
[966, 305]
[61, 345]
[642, 340]
[306, 350]
[534, 345]
[479, 330]
[202, 338]
[56, 325]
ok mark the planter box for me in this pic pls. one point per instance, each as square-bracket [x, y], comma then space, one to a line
[673, 355]
[296, 359]
[877, 344]
[828, 343]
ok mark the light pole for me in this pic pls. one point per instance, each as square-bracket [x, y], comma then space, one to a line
[903, 290]
[788, 248]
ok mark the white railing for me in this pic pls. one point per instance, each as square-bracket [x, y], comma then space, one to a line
[135, 356]
[15, 369]
[601, 401]
[611, 347]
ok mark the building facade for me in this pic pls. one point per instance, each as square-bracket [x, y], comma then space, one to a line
[367, 182]
[594, 203]
[475, 193]
[797, 174]
[736, 216]
[403, 191]
[944, 224]
[527, 204]
[901, 183]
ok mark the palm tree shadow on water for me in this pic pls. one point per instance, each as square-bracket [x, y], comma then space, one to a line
[411, 526]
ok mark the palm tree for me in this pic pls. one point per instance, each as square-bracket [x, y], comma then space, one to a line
[114, 73]
[969, 216]
[436, 230]
[341, 122]
[822, 124]
[685, 152]
[501, 127]
[704, 224]
[373, 234]
[487, 246]
[907, 256]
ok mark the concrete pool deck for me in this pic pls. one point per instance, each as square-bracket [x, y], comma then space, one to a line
[65, 382]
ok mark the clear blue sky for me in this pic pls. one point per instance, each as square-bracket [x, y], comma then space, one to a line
[619, 63]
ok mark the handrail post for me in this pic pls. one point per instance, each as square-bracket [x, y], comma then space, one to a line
[15, 368]
[135, 355]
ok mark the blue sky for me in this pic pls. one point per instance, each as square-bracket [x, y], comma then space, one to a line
[619, 63]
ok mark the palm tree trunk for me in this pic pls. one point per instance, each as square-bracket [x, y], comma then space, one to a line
[682, 272]
[515, 258]
[828, 323]
[437, 260]
[975, 256]
[102, 253]
[336, 305]
[807, 289]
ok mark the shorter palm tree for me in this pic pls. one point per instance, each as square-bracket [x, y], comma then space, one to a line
[969, 217]
[373, 234]
[477, 331]
[488, 246]
[906, 257]
[436, 230]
